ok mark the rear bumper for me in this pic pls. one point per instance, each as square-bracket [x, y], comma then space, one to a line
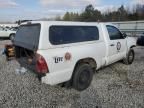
[51, 78]
[57, 77]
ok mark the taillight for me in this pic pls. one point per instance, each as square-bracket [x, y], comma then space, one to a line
[41, 65]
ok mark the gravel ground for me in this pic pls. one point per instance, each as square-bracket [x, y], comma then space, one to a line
[115, 86]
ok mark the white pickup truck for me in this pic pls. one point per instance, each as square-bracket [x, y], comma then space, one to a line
[70, 52]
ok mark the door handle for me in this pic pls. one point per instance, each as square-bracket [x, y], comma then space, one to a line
[112, 44]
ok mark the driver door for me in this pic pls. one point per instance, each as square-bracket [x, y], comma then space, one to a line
[117, 45]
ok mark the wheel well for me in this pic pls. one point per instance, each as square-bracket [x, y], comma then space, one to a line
[11, 34]
[133, 46]
[89, 61]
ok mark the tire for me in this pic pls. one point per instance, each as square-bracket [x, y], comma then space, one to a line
[12, 37]
[82, 77]
[129, 58]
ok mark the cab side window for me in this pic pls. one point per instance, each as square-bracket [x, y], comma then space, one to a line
[114, 33]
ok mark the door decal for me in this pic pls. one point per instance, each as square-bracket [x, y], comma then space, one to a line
[118, 46]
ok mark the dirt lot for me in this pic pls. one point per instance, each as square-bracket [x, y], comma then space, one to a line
[116, 86]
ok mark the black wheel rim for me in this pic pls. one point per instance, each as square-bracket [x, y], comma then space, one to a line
[84, 78]
[131, 57]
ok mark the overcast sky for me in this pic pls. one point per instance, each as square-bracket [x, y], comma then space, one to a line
[12, 10]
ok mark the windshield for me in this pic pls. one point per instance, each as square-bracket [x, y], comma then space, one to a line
[27, 36]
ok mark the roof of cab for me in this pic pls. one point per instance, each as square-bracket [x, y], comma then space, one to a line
[63, 23]
[49, 23]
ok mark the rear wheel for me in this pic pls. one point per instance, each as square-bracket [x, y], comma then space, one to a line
[82, 77]
[130, 57]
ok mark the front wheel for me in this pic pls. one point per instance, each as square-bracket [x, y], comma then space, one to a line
[82, 77]
[130, 57]
[12, 37]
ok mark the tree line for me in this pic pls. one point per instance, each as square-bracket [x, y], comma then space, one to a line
[90, 14]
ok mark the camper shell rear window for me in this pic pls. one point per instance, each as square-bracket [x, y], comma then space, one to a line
[27, 36]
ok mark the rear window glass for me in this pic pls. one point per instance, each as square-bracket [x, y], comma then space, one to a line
[27, 36]
[72, 34]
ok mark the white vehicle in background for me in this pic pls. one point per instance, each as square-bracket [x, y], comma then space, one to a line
[7, 33]
[70, 52]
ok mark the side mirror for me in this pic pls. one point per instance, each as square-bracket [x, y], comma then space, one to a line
[124, 35]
